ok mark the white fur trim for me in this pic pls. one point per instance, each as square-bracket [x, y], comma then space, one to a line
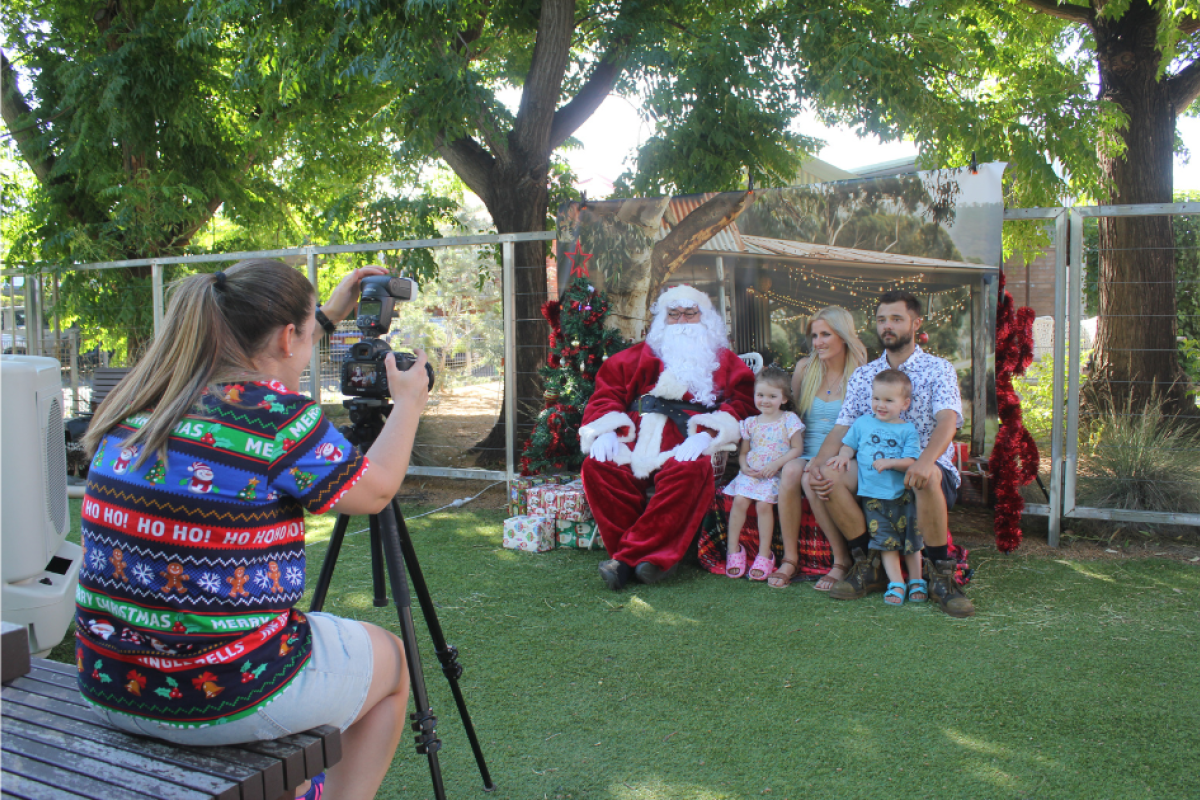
[728, 430]
[610, 422]
[647, 453]
[684, 296]
[669, 386]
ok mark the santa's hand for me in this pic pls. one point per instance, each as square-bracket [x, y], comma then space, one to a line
[693, 447]
[606, 447]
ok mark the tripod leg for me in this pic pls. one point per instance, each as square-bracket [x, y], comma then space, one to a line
[331, 557]
[377, 577]
[424, 722]
[447, 653]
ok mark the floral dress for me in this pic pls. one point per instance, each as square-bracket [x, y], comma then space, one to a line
[768, 441]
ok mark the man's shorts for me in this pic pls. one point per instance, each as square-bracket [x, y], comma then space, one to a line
[330, 690]
[949, 487]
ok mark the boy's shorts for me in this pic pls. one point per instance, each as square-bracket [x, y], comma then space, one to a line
[893, 523]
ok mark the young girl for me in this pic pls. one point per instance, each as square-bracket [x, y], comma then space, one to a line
[769, 441]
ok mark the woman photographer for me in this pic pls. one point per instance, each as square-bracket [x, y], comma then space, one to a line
[205, 458]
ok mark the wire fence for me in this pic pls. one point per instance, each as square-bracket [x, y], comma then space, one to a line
[1121, 447]
[459, 319]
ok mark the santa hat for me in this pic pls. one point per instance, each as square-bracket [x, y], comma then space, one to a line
[683, 296]
[199, 465]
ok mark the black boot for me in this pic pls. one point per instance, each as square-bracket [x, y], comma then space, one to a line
[947, 592]
[648, 573]
[866, 576]
[615, 574]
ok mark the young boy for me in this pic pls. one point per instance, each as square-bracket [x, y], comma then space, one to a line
[886, 446]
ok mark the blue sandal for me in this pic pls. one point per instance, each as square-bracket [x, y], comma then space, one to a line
[920, 587]
[894, 596]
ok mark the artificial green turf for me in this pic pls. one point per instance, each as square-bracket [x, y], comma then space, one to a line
[1074, 679]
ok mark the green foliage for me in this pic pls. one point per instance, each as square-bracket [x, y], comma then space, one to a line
[579, 344]
[1036, 391]
[1141, 459]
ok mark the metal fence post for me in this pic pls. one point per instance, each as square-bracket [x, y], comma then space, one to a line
[1061, 241]
[979, 304]
[314, 359]
[509, 285]
[156, 295]
[1075, 301]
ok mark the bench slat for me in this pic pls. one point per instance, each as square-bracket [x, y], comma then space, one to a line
[81, 785]
[22, 788]
[34, 686]
[210, 785]
[93, 768]
[331, 738]
[219, 761]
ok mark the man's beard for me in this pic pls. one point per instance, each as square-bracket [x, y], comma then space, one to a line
[692, 354]
[901, 341]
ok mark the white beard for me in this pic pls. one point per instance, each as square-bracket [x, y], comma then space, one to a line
[691, 353]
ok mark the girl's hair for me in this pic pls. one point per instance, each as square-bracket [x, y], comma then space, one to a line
[214, 327]
[776, 376]
[842, 324]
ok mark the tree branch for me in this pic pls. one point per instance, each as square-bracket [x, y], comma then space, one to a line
[599, 85]
[1184, 87]
[709, 219]
[184, 237]
[1070, 13]
[539, 98]
[14, 109]
[472, 163]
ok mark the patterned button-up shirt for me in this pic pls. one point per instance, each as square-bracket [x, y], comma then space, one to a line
[934, 389]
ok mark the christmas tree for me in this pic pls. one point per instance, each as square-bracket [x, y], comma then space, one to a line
[157, 473]
[579, 344]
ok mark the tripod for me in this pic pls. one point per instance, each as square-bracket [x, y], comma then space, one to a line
[392, 549]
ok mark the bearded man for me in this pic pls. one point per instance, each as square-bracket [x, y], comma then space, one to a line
[660, 410]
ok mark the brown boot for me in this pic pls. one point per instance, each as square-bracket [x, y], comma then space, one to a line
[865, 577]
[944, 589]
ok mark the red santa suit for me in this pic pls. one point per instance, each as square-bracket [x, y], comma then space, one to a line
[658, 530]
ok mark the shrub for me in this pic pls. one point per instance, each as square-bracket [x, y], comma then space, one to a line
[1140, 459]
[1036, 390]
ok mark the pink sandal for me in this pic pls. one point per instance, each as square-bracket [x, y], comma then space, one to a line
[735, 564]
[763, 566]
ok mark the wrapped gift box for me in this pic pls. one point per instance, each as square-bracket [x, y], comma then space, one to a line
[566, 502]
[518, 491]
[531, 534]
[581, 534]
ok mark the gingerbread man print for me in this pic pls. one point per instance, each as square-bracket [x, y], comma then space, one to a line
[273, 574]
[117, 559]
[175, 578]
[238, 583]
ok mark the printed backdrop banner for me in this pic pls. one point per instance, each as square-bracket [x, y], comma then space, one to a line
[772, 258]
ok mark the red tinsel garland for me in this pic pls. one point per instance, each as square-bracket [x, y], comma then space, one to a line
[1014, 353]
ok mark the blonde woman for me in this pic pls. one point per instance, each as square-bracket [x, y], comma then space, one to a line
[819, 386]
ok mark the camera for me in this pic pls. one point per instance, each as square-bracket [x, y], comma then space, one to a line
[363, 371]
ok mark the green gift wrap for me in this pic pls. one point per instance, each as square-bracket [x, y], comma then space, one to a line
[578, 534]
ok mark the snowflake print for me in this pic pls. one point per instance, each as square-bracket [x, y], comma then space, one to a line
[143, 574]
[210, 582]
[294, 576]
[97, 558]
[262, 579]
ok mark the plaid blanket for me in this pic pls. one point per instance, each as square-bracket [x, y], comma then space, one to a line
[816, 558]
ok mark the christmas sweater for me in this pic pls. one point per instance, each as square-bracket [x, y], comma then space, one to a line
[191, 566]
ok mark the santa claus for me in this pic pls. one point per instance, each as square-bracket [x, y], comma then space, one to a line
[660, 410]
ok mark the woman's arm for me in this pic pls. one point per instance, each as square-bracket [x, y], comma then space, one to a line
[390, 454]
[341, 301]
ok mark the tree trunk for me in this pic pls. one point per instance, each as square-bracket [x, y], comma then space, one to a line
[1135, 344]
[519, 205]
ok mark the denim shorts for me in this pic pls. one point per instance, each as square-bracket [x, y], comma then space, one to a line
[330, 690]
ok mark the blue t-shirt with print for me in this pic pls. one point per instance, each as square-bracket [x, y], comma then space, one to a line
[873, 440]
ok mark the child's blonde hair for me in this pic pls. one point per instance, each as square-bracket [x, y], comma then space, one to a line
[774, 375]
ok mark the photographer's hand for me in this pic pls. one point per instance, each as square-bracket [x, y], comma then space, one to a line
[409, 387]
[341, 301]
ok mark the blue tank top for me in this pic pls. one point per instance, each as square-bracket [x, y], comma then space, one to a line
[818, 422]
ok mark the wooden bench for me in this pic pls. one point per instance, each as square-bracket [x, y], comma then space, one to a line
[55, 746]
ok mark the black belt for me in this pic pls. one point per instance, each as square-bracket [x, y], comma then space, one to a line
[675, 410]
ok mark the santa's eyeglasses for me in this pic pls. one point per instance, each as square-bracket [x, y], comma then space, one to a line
[688, 314]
